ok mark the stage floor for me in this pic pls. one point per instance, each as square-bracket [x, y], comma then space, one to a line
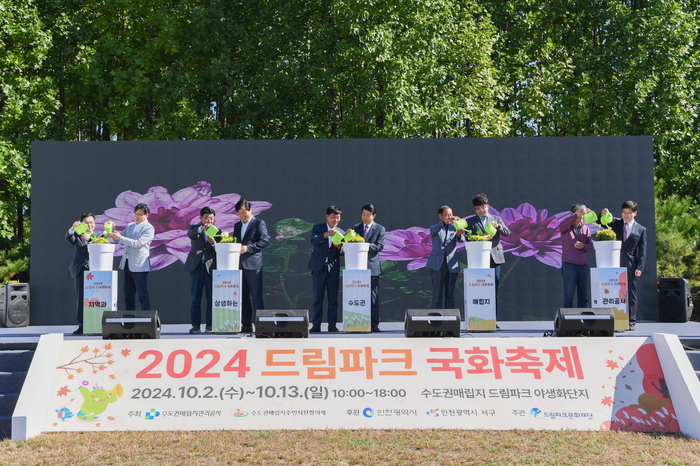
[688, 332]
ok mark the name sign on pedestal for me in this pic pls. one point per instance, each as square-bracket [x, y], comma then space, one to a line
[357, 300]
[480, 299]
[609, 289]
[226, 297]
[99, 295]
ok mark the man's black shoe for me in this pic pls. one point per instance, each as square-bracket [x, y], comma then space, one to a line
[78, 331]
[332, 329]
[315, 329]
[247, 329]
[375, 329]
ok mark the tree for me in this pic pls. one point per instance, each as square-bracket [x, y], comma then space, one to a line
[26, 103]
[605, 67]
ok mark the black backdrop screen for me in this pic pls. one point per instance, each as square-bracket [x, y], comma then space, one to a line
[530, 182]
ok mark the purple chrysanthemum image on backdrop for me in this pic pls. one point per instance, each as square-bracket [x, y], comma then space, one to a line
[533, 233]
[413, 244]
[172, 214]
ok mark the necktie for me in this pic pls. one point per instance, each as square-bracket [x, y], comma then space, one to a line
[365, 233]
[624, 233]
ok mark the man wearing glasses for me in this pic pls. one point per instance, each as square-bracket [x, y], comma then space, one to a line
[633, 253]
[136, 263]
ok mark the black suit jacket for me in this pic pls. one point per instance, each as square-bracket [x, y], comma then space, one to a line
[80, 256]
[322, 253]
[256, 238]
[375, 238]
[199, 249]
[634, 250]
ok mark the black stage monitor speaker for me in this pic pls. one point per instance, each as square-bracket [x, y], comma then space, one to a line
[14, 305]
[584, 322]
[432, 323]
[282, 323]
[117, 325]
[675, 300]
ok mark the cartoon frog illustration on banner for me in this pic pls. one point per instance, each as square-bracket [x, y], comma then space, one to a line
[95, 402]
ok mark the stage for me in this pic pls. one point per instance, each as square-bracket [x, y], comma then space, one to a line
[688, 332]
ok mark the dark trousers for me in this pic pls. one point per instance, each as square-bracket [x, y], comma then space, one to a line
[632, 295]
[79, 282]
[497, 282]
[325, 282]
[374, 289]
[201, 279]
[443, 283]
[576, 278]
[251, 289]
[135, 282]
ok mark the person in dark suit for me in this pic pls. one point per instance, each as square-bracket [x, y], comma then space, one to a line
[80, 262]
[200, 263]
[373, 233]
[633, 253]
[252, 234]
[136, 262]
[443, 262]
[325, 269]
[477, 226]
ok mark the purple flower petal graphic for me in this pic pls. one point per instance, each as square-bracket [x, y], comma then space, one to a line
[171, 215]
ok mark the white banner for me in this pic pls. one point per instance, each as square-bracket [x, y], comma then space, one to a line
[480, 299]
[609, 290]
[357, 300]
[226, 297]
[99, 295]
[524, 383]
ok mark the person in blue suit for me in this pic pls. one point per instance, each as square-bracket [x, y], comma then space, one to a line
[633, 253]
[443, 262]
[325, 269]
[136, 262]
[373, 233]
[80, 262]
[200, 263]
[252, 234]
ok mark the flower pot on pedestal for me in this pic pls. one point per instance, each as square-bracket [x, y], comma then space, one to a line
[101, 257]
[607, 253]
[478, 254]
[356, 255]
[228, 256]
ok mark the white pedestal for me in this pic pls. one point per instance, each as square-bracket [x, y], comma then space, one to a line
[226, 301]
[480, 299]
[607, 254]
[99, 294]
[609, 289]
[355, 255]
[357, 300]
[478, 254]
[228, 256]
[101, 257]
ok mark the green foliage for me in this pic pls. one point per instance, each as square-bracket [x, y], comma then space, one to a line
[605, 67]
[677, 230]
[26, 103]
[242, 69]
[14, 264]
